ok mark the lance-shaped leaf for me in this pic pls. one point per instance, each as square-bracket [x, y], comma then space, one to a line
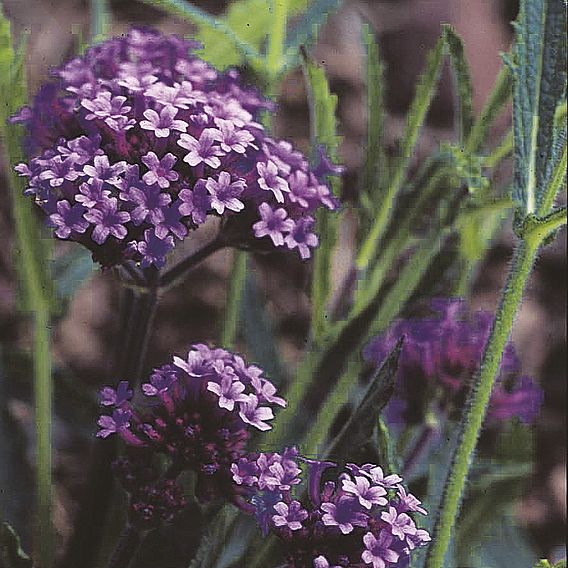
[323, 105]
[462, 79]
[11, 553]
[539, 72]
[361, 425]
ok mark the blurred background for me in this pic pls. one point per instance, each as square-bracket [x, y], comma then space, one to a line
[84, 339]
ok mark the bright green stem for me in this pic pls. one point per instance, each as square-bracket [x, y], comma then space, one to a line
[274, 56]
[43, 395]
[234, 295]
[557, 180]
[523, 259]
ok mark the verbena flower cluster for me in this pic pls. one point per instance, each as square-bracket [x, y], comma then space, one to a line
[358, 517]
[439, 358]
[135, 143]
[197, 412]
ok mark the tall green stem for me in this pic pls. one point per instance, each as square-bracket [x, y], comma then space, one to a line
[43, 396]
[523, 259]
[234, 294]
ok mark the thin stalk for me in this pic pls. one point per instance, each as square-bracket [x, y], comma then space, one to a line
[470, 427]
[43, 400]
[234, 295]
[275, 52]
[93, 510]
[177, 273]
[555, 184]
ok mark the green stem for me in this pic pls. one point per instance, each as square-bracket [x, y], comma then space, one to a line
[276, 37]
[43, 398]
[234, 295]
[523, 259]
[557, 179]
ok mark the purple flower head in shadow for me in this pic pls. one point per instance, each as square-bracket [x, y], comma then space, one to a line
[439, 358]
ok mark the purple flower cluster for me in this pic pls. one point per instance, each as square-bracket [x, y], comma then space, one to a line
[357, 518]
[440, 356]
[135, 143]
[197, 412]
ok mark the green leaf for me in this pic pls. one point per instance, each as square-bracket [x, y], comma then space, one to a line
[306, 30]
[100, 20]
[464, 87]
[71, 271]
[547, 564]
[323, 105]
[219, 528]
[249, 20]
[425, 90]
[258, 332]
[539, 73]
[11, 553]
[221, 34]
[375, 159]
[362, 423]
[498, 97]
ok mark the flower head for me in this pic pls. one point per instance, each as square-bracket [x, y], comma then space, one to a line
[196, 413]
[440, 355]
[144, 105]
[351, 518]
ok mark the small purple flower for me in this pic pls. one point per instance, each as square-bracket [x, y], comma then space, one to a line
[105, 106]
[108, 220]
[269, 180]
[266, 391]
[160, 381]
[290, 516]
[103, 171]
[58, 170]
[168, 221]
[229, 391]
[68, 219]
[112, 397]
[117, 423]
[153, 249]
[377, 476]
[159, 170]
[273, 223]
[362, 490]
[378, 551]
[255, 415]
[196, 202]
[92, 194]
[345, 514]
[162, 124]
[245, 472]
[233, 139]
[202, 150]
[400, 524]
[224, 193]
[408, 502]
[149, 201]
[301, 237]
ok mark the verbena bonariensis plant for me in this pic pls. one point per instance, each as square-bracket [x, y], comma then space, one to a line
[135, 143]
[357, 517]
[131, 146]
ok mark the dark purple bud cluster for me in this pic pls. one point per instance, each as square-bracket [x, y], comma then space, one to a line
[357, 518]
[440, 356]
[135, 143]
[198, 413]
